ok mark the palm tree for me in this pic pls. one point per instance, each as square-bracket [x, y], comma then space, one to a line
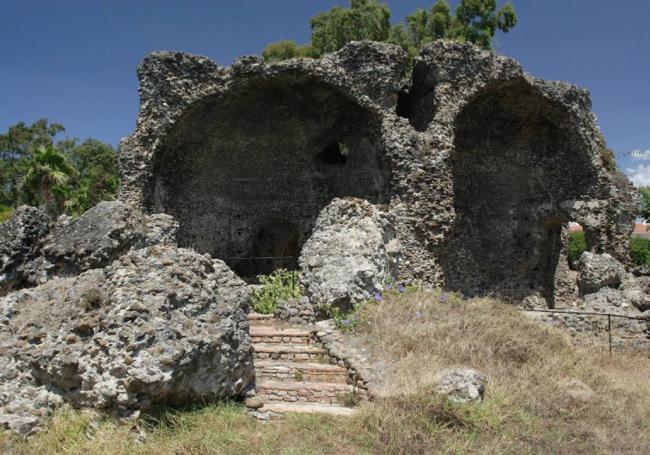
[46, 177]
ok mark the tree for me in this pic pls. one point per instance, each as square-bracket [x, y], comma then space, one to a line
[22, 140]
[45, 179]
[645, 202]
[18, 144]
[440, 20]
[65, 175]
[365, 19]
[477, 21]
[96, 174]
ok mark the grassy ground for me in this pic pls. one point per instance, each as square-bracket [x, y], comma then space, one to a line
[544, 396]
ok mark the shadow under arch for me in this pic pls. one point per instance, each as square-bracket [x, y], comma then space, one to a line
[516, 158]
[263, 159]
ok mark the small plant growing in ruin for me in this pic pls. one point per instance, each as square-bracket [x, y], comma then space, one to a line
[91, 300]
[299, 376]
[350, 399]
[280, 285]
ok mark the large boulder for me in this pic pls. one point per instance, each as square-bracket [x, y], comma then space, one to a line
[596, 271]
[350, 254]
[99, 236]
[32, 251]
[159, 325]
[20, 238]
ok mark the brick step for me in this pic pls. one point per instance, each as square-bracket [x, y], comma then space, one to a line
[258, 318]
[304, 392]
[294, 352]
[267, 334]
[275, 370]
[307, 408]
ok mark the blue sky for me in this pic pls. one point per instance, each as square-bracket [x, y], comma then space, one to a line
[74, 61]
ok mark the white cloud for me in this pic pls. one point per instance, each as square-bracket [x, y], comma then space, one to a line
[639, 154]
[639, 175]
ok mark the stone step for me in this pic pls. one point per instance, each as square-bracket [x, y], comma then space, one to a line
[276, 370]
[305, 392]
[294, 352]
[309, 408]
[267, 334]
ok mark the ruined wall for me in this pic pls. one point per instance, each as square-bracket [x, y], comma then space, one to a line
[479, 164]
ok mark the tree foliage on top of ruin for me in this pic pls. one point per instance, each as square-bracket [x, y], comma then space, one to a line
[474, 21]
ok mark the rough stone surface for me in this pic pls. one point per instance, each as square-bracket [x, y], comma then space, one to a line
[159, 325]
[72, 246]
[596, 271]
[20, 238]
[461, 385]
[351, 253]
[296, 311]
[479, 165]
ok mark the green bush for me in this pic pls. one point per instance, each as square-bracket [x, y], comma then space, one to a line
[607, 157]
[286, 49]
[345, 320]
[640, 250]
[577, 246]
[275, 288]
[5, 213]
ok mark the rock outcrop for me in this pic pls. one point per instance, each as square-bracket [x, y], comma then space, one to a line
[351, 253]
[159, 325]
[20, 239]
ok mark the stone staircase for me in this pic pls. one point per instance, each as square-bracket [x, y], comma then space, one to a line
[294, 373]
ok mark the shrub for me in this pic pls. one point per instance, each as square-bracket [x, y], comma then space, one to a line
[5, 213]
[275, 288]
[577, 246]
[607, 156]
[640, 250]
[286, 49]
[346, 320]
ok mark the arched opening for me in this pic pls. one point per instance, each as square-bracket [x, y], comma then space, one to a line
[247, 173]
[515, 161]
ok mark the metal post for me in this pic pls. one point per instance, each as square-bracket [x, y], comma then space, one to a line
[609, 331]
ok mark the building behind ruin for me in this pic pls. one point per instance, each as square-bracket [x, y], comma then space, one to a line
[479, 165]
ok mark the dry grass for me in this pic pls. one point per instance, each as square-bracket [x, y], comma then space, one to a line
[530, 403]
[529, 408]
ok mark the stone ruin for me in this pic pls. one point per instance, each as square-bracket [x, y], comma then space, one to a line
[462, 171]
[478, 166]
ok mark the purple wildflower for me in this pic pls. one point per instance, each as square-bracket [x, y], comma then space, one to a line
[418, 314]
[400, 288]
[389, 287]
[444, 297]
[377, 297]
[345, 322]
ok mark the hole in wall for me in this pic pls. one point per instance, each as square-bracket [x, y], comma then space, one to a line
[334, 154]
